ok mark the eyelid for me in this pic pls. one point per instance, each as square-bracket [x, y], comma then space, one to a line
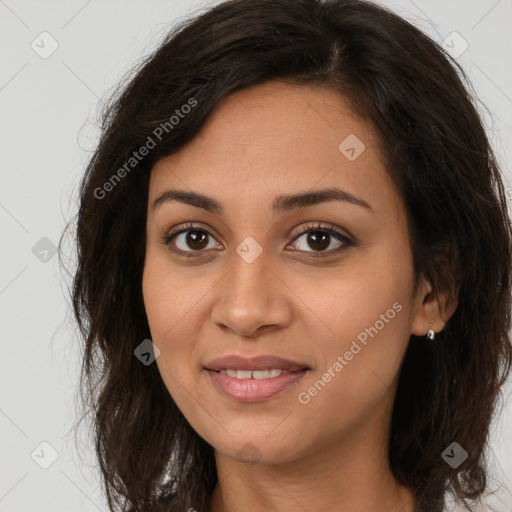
[187, 226]
[322, 226]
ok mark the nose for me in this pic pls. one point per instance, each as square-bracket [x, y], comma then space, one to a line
[252, 298]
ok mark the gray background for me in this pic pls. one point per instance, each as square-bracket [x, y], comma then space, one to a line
[48, 107]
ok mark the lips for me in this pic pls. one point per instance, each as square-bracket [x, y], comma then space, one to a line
[263, 362]
[244, 379]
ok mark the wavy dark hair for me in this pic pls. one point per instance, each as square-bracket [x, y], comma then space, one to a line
[435, 149]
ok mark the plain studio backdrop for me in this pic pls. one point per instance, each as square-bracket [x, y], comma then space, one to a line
[57, 60]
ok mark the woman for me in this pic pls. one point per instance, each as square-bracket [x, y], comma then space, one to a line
[294, 266]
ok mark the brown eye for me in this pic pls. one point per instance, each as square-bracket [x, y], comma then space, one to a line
[321, 240]
[318, 240]
[196, 239]
[188, 240]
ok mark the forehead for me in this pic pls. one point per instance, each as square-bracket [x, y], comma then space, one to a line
[280, 115]
[278, 138]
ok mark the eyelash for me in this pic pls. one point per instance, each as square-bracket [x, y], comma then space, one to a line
[311, 227]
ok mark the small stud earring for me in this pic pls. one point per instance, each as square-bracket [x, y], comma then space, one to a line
[430, 333]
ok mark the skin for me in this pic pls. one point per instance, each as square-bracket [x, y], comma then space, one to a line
[329, 453]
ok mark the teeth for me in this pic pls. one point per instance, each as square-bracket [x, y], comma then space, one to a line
[254, 374]
[261, 374]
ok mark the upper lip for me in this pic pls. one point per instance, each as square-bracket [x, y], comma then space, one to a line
[263, 362]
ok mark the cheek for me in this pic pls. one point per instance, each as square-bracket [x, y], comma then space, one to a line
[361, 293]
[368, 312]
[171, 297]
[164, 309]
[365, 319]
[359, 367]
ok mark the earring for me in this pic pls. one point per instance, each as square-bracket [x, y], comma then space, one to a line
[430, 333]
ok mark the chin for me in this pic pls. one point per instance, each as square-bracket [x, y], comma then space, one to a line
[258, 449]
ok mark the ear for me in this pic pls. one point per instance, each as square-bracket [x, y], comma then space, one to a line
[429, 308]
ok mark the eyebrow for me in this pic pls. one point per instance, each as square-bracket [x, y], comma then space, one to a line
[282, 203]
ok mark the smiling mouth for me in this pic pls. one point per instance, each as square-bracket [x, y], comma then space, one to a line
[244, 378]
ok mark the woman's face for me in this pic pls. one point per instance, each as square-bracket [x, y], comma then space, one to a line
[256, 276]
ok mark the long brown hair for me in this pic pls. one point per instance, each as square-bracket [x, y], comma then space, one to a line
[437, 152]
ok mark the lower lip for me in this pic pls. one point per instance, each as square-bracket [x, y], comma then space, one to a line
[254, 390]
